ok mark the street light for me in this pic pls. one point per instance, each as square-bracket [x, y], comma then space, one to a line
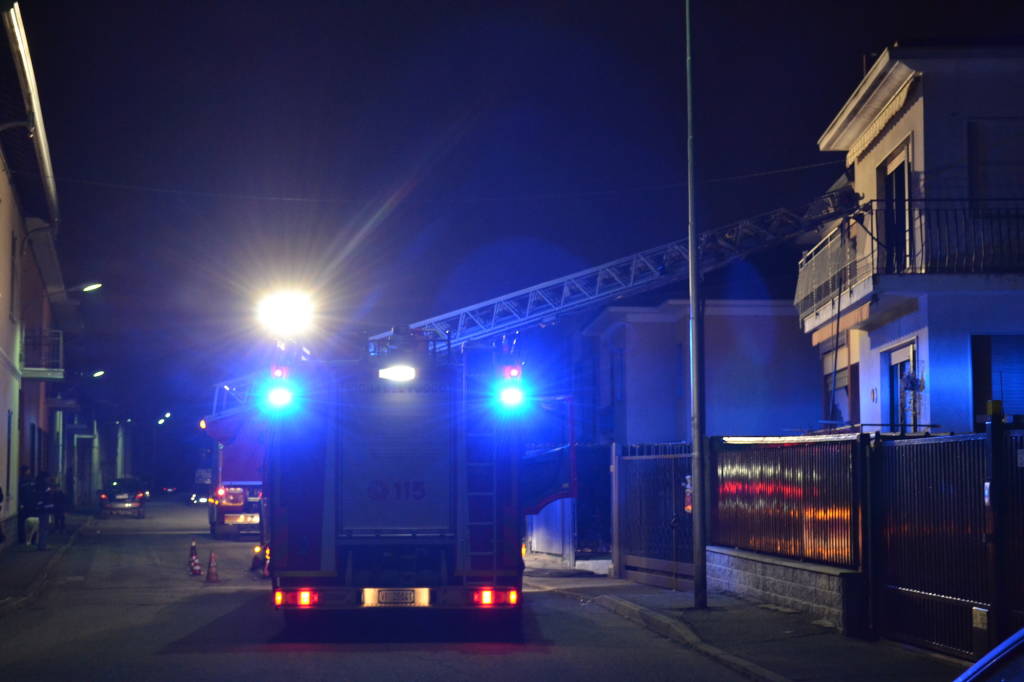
[160, 421]
[167, 415]
[286, 314]
[86, 287]
[98, 373]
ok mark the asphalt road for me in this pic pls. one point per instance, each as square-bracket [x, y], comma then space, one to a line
[121, 606]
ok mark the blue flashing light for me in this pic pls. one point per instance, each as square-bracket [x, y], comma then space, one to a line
[511, 396]
[278, 396]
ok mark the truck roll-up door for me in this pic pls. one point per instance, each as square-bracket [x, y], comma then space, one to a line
[396, 458]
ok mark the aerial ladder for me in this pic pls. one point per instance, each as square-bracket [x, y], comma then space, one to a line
[635, 274]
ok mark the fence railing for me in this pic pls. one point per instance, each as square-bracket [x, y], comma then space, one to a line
[43, 349]
[932, 566]
[652, 533]
[927, 236]
[792, 497]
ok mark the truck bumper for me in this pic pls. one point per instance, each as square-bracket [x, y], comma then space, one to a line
[355, 598]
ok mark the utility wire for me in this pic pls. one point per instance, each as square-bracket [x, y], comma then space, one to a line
[329, 200]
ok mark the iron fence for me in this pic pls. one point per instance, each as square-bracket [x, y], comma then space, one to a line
[932, 571]
[652, 529]
[790, 497]
[1014, 531]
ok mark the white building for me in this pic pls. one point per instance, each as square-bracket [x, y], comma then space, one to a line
[916, 301]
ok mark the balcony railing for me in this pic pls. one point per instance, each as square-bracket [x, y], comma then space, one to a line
[916, 237]
[42, 354]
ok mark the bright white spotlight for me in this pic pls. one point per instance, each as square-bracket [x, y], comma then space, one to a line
[511, 396]
[161, 420]
[279, 397]
[397, 373]
[98, 373]
[167, 415]
[286, 314]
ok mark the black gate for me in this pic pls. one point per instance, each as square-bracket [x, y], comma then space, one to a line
[652, 525]
[933, 585]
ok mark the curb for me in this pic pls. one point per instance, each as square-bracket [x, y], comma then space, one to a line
[675, 630]
[39, 583]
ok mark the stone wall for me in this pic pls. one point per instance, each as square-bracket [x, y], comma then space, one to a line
[830, 594]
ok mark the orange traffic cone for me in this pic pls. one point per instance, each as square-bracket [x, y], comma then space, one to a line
[211, 569]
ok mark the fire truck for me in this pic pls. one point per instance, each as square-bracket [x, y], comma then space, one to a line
[236, 481]
[392, 481]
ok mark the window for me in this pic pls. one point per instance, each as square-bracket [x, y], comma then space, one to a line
[618, 381]
[995, 158]
[13, 283]
[898, 237]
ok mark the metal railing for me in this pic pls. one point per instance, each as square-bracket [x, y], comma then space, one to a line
[651, 526]
[43, 349]
[915, 237]
[790, 497]
[931, 567]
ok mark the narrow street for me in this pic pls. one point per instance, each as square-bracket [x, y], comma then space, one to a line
[120, 606]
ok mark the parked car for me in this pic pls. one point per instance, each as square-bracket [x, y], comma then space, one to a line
[1004, 662]
[124, 496]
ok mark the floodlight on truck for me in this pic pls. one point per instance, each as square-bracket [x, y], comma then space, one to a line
[397, 373]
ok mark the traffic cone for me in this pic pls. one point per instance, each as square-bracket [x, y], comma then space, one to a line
[211, 569]
[193, 560]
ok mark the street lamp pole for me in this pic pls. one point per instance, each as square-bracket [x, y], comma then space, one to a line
[700, 575]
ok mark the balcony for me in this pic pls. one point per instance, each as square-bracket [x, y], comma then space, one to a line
[918, 237]
[42, 354]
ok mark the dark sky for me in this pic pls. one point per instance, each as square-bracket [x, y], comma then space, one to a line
[406, 158]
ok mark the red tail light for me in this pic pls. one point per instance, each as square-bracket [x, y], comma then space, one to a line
[488, 596]
[103, 496]
[304, 598]
[139, 496]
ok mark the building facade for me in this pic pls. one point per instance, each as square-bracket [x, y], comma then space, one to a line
[760, 372]
[914, 300]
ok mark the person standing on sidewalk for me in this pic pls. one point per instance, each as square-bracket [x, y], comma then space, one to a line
[26, 501]
[44, 507]
[59, 506]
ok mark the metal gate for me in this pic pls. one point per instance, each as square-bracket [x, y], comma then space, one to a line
[933, 584]
[652, 528]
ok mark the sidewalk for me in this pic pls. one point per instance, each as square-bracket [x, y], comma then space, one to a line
[24, 570]
[759, 641]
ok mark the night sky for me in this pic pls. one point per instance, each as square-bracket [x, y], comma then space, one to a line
[406, 158]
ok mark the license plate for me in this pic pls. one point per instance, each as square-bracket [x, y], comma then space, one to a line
[241, 519]
[393, 597]
[120, 497]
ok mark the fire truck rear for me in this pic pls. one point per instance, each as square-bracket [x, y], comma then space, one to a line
[392, 483]
[236, 488]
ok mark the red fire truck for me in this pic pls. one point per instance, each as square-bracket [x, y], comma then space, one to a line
[236, 489]
[392, 482]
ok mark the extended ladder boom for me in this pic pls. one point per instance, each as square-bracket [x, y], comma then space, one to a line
[626, 276]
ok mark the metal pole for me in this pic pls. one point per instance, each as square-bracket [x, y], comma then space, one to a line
[700, 577]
